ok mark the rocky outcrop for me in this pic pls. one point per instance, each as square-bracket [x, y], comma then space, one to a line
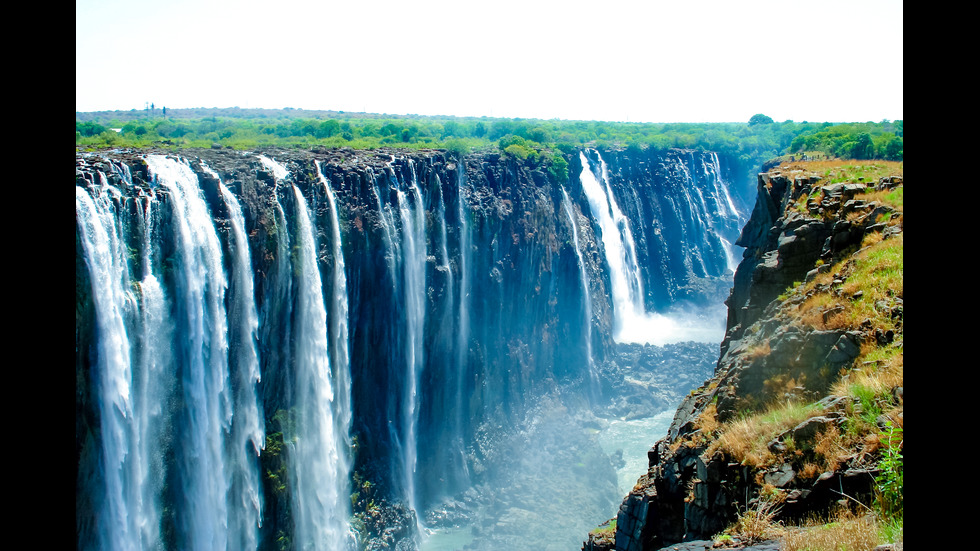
[799, 230]
[795, 223]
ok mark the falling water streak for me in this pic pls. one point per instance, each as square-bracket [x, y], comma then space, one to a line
[278, 171]
[463, 327]
[340, 347]
[631, 321]
[712, 221]
[733, 215]
[393, 257]
[723, 189]
[248, 431]
[617, 240]
[586, 300]
[320, 515]
[694, 228]
[444, 263]
[155, 361]
[412, 215]
[119, 524]
[201, 286]
[393, 254]
[338, 316]
[455, 442]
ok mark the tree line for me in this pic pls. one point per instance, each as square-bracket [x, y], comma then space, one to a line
[760, 138]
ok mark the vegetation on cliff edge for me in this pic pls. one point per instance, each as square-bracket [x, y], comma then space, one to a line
[863, 293]
[748, 143]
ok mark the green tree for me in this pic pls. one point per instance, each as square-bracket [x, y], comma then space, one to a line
[863, 147]
[760, 119]
[328, 128]
[893, 149]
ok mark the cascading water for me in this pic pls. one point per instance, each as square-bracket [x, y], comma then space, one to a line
[247, 437]
[586, 299]
[633, 323]
[315, 455]
[202, 357]
[412, 325]
[726, 211]
[124, 514]
[463, 326]
[412, 217]
[620, 251]
[339, 332]
[214, 495]
[317, 446]
[155, 336]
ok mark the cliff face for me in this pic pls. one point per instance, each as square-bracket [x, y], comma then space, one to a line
[454, 294]
[807, 326]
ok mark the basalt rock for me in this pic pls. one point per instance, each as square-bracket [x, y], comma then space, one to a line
[497, 313]
[693, 490]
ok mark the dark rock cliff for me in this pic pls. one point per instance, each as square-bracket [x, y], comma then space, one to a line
[803, 242]
[503, 302]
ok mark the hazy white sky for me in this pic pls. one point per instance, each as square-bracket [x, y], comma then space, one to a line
[648, 61]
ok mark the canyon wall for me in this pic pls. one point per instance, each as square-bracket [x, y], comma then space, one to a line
[271, 344]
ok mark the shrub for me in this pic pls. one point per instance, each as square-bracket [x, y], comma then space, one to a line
[519, 151]
[891, 474]
[758, 524]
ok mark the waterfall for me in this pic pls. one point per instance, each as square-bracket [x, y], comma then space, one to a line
[730, 214]
[620, 251]
[123, 514]
[412, 216]
[155, 363]
[339, 338]
[586, 299]
[320, 514]
[317, 442]
[632, 322]
[157, 346]
[202, 356]
[249, 340]
[247, 437]
[463, 324]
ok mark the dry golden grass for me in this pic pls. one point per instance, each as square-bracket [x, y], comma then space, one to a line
[883, 370]
[707, 422]
[783, 384]
[844, 170]
[758, 524]
[758, 351]
[830, 447]
[745, 439]
[847, 531]
[874, 274]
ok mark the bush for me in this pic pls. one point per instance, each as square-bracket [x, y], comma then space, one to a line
[891, 474]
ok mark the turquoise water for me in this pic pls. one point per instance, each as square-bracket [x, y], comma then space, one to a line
[635, 438]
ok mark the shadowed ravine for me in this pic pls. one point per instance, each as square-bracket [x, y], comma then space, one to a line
[384, 349]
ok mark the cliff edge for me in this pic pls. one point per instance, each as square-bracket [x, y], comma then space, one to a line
[802, 421]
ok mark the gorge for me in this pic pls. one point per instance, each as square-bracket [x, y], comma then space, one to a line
[387, 349]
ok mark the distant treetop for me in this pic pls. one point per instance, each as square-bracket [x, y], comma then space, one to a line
[539, 140]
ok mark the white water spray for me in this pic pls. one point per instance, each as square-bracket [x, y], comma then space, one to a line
[632, 323]
[247, 437]
[586, 299]
[320, 514]
[124, 515]
[412, 214]
[203, 358]
[338, 326]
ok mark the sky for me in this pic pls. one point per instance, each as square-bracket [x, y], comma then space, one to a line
[614, 60]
